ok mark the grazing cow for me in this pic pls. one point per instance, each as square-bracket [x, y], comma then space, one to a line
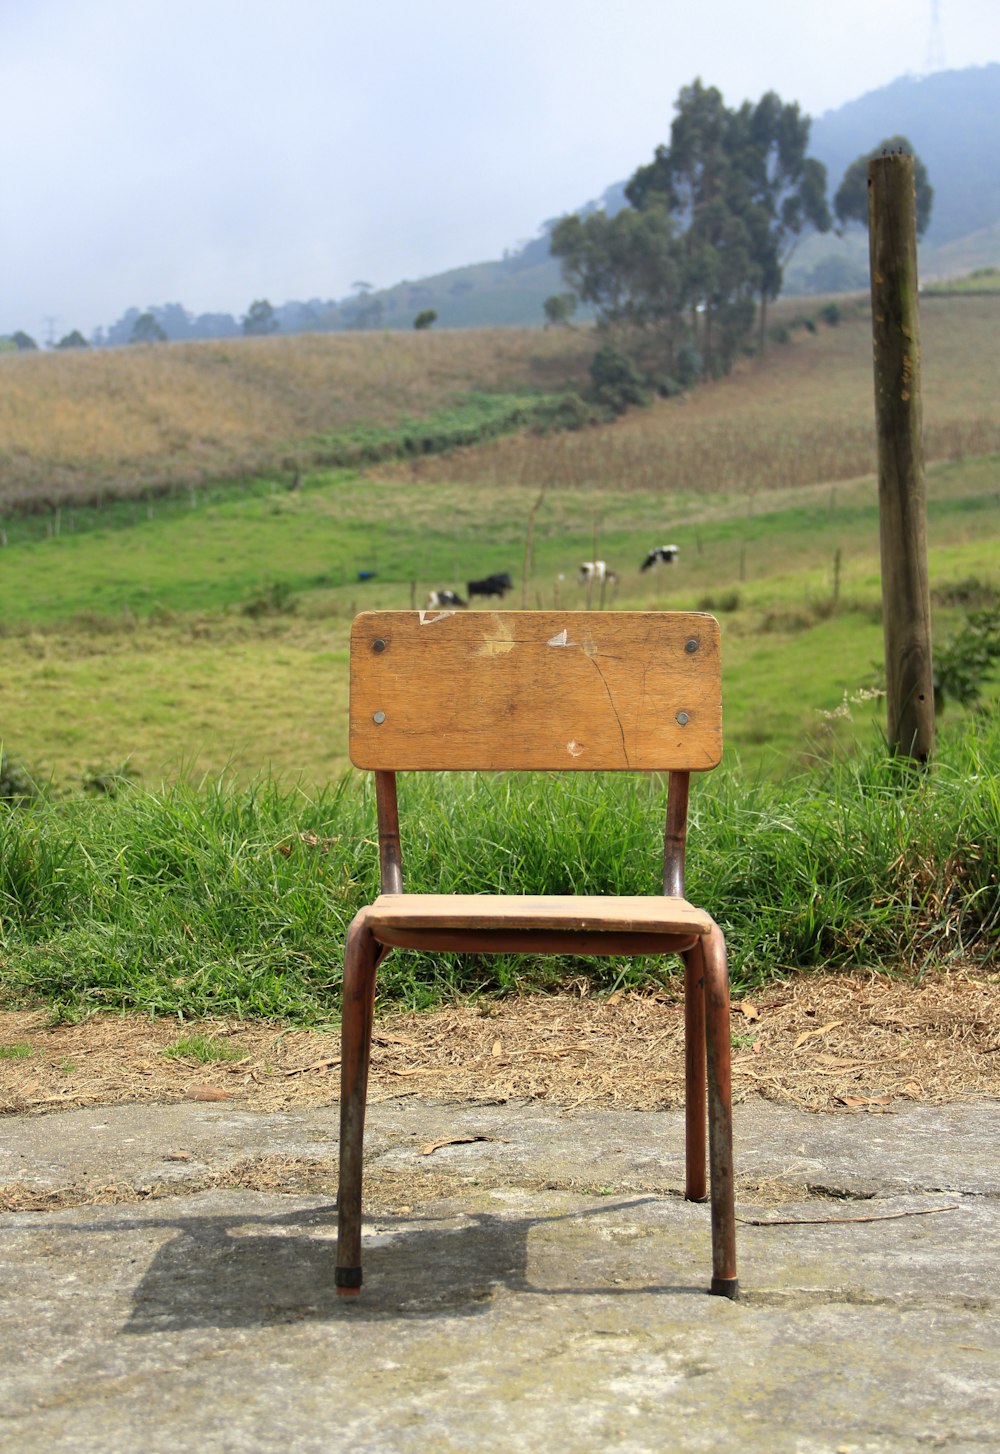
[495, 585]
[661, 555]
[596, 570]
[445, 601]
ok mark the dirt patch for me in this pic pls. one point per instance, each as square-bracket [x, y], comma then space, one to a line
[846, 1043]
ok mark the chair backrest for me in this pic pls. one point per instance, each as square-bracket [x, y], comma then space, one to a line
[535, 690]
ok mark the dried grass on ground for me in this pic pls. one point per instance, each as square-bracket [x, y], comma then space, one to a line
[823, 1043]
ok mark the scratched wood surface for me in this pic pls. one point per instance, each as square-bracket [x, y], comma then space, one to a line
[579, 913]
[535, 690]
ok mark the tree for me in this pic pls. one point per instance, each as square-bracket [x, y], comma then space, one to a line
[743, 184]
[788, 189]
[23, 341]
[73, 340]
[425, 318]
[709, 225]
[146, 329]
[851, 201]
[559, 308]
[630, 267]
[259, 318]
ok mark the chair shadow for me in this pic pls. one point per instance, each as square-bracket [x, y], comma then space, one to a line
[232, 1271]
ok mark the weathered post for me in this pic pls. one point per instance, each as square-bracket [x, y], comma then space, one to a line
[906, 610]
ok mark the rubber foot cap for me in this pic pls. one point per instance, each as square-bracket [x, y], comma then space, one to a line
[347, 1279]
[726, 1287]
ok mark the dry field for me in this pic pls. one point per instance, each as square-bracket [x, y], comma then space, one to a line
[126, 420]
[802, 415]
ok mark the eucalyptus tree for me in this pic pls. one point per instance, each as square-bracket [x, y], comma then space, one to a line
[851, 200]
[711, 221]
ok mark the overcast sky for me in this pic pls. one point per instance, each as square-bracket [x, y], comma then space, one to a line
[210, 152]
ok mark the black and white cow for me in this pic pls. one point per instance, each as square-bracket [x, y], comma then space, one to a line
[596, 570]
[661, 555]
[497, 584]
[445, 601]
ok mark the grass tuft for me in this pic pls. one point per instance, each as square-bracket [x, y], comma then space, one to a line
[205, 1049]
[20, 1051]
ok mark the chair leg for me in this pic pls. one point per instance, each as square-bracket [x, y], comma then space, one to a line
[695, 1113]
[720, 1114]
[355, 1053]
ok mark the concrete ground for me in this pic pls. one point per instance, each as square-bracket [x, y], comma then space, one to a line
[537, 1289]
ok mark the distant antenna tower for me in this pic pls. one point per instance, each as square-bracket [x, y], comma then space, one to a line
[935, 42]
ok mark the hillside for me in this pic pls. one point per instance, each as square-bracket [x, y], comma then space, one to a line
[953, 120]
[113, 423]
[136, 422]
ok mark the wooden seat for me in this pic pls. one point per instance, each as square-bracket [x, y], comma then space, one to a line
[542, 691]
[575, 912]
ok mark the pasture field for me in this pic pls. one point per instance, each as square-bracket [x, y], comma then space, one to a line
[216, 640]
[206, 632]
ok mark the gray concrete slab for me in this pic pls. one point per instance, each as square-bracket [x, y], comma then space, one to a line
[540, 1289]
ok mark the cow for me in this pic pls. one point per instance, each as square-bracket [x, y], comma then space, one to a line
[661, 555]
[497, 584]
[445, 601]
[596, 570]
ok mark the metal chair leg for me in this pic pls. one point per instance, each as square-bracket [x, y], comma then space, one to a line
[695, 1184]
[355, 1042]
[720, 1115]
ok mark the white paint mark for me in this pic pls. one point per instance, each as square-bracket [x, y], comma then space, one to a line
[428, 618]
[560, 639]
[498, 637]
[574, 748]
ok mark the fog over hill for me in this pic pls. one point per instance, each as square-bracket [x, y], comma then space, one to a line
[952, 119]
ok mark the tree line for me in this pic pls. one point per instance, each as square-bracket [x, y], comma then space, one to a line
[681, 277]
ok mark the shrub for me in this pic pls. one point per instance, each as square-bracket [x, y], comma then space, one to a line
[668, 387]
[727, 601]
[274, 599]
[690, 365]
[965, 659]
[616, 380]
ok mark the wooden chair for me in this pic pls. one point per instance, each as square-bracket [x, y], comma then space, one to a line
[541, 690]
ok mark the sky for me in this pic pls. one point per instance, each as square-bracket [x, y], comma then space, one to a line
[211, 152]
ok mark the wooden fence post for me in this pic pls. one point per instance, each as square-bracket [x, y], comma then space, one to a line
[906, 610]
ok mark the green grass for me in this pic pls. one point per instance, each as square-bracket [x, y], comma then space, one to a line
[20, 1051]
[227, 901]
[205, 1049]
[164, 645]
[980, 281]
